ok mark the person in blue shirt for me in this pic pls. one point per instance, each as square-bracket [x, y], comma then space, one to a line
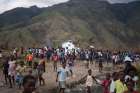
[62, 74]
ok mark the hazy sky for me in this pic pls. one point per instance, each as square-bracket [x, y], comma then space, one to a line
[120, 1]
[10, 4]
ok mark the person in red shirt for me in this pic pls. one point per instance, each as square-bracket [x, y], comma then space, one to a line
[55, 59]
[130, 86]
[106, 83]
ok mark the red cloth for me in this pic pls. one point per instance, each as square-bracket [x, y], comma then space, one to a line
[106, 84]
[55, 58]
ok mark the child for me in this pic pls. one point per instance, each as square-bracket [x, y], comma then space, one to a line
[19, 79]
[89, 81]
[29, 83]
[19, 75]
[106, 83]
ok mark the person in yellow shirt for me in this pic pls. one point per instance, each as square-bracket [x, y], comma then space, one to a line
[120, 86]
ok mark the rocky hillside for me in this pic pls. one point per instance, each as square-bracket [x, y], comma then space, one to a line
[83, 21]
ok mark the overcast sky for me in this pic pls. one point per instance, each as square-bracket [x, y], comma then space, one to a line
[120, 1]
[10, 4]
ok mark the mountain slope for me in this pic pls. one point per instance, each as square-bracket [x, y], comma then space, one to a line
[83, 21]
[19, 15]
[129, 14]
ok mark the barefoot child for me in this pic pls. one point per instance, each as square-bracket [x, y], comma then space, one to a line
[89, 81]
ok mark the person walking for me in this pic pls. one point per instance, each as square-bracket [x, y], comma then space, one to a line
[55, 59]
[12, 72]
[62, 74]
[40, 73]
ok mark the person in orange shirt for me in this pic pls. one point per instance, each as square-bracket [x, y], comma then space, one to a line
[29, 59]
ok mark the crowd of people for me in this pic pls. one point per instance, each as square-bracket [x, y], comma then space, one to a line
[123, 81]
[21, 69]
